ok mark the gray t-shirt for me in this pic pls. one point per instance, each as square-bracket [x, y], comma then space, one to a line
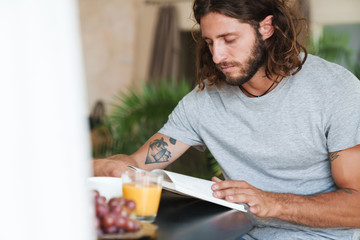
[279, 142]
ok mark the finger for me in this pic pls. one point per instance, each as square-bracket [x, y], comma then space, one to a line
[216, 179]
[231, 184]
[235, 191]
[215, 186]
[224, 193]
[242, 198]
[254, 209]
[230, 187]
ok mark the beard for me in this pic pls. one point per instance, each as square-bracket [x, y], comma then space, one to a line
[251, 65]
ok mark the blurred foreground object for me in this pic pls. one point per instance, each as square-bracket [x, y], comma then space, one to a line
[44, 139]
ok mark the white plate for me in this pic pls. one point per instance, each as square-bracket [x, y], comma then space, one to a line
[108, 187]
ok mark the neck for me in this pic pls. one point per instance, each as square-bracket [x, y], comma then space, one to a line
[259, 85]
[253, 95]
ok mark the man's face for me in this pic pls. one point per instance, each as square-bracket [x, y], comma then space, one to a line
[237, 49]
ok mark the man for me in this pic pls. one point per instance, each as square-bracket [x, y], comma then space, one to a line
[283, 125]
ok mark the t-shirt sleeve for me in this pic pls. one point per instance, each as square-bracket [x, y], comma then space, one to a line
[182, 123]
[343, 127]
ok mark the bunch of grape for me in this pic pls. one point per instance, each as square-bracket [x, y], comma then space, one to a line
[116, 216]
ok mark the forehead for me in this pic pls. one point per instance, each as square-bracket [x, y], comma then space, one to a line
[216, 24]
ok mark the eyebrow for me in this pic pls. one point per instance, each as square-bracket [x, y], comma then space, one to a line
[220, 36]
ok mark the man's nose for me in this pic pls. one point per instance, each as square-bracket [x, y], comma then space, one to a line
[218, 53]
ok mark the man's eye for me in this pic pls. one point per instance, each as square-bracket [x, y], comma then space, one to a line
[209, 43]
[230, 41]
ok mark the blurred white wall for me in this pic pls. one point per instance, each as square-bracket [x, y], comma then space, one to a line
[330, 12]
[108, 35]
[335, 11]
[45, 156]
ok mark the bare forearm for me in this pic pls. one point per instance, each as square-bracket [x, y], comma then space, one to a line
[335, 209]
[112, 166]
[340, 208]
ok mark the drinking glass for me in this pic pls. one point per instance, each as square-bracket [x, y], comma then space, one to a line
[144, 188]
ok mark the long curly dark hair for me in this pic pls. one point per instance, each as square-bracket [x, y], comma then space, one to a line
[282, 48]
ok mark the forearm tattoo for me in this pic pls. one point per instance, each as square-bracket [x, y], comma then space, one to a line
[334, 155]
[158, 152]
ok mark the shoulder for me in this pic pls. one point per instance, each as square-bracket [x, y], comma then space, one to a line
[209, 91]
[327, 76]
[209, 100]
[318, 67]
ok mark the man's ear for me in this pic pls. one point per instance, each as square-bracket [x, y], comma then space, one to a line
[266, 28]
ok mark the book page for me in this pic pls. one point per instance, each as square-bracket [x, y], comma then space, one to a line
[199, 188]
[192, 183]
[192, 186]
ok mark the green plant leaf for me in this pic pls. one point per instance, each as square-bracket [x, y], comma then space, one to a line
[136, 116]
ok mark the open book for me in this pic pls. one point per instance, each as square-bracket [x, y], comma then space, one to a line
[194, 187]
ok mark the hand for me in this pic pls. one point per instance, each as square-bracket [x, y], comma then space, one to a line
[107, 167]
[261, 203]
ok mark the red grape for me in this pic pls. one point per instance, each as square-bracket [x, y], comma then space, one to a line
[95, 193]
[108, 220]
[113, 202]
[124, 213]
[122, 200]
[100, 199]
[130, 204]
[111, 230]
[130, 225]
[101, 210]
[116, 209]
[116, 216]
[120, 222]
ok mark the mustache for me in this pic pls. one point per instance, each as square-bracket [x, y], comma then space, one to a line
[225, 64]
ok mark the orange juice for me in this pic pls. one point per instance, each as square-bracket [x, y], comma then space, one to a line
[146, 197]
